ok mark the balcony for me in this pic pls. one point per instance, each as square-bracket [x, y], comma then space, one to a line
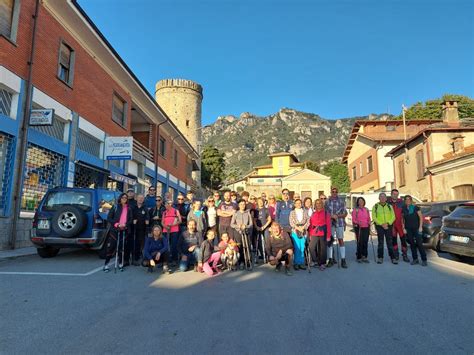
[143, 151]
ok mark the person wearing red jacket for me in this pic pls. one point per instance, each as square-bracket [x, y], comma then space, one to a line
[397, 205]
[319, 234]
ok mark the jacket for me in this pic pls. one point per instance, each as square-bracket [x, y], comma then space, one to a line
[207, 248]
[282, 212]
[320, 224]
[294, 220]
[114, 217]
[274, 245]
[240, 218]
[361, 217]
[156, 212]
[200, 220]
[383, 214]
[187, 240]
[153, 246]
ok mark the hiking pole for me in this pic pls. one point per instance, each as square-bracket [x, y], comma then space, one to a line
[246, 250]
[337, 253]
[308, 255]
[134, 243]
[123, 249]
[116, 253]
[372, 242]
[263, 249]
[255, 255]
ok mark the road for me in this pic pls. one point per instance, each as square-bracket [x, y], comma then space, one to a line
[67, 305]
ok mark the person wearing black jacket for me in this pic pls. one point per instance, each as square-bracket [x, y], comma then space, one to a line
[156, 213]
[189, 246]
[120, 220]
[140, 223]
[279, 248]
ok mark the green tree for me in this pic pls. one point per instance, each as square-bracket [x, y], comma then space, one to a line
[311, 165]
[339, 175]
[212, 167]
[232, 173]
[432, 109]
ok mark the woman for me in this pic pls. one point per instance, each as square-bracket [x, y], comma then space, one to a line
[272, 206]
[156, 213]
[156, 250]
[308, 206]
[319, 234]
[210, 210]
[210, 258]
[413, 227]
[171, 223]
[299, 222]
[361, 222]
[242, 223]
[120, 219]
[199, 216]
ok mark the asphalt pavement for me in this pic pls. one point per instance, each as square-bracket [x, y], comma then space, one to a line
[68, 305]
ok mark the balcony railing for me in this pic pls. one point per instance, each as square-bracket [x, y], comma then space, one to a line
[144, 151]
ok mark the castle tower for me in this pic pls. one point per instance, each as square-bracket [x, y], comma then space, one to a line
[181, 100]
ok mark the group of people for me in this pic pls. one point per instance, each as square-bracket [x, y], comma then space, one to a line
[237, 230]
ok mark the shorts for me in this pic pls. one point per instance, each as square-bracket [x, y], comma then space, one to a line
[337, 232]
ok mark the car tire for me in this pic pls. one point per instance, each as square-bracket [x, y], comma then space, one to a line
[435, 244]
[69, 221]
[47, 252]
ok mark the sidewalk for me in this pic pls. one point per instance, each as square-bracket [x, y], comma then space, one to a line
[15, 253]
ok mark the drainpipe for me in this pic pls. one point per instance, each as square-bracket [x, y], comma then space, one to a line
[23, 136]
[158, 152]
[430, 177]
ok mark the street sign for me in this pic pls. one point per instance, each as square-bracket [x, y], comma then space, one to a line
[118, 148]
[42, 117]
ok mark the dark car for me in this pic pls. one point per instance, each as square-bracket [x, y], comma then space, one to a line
[71, 217]
[433, 213]
[457, 232]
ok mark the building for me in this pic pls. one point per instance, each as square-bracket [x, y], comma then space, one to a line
[181, 99]
[307, 183]
[365, 154]
[438, 162]
[94, 94]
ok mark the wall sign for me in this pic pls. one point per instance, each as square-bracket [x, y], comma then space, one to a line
[42, 117]
[118, 148]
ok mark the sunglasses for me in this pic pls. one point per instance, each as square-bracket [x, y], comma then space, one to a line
[158, 200]
[180, 199]
[210, 200]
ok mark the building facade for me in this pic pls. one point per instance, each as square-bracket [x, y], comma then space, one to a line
[365, 154]
[76, 72]
[438, 163]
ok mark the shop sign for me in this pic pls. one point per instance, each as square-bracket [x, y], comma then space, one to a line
[118, 148]
[42, 117]
[122, 178]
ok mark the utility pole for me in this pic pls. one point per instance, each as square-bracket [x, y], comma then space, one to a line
[404, 109]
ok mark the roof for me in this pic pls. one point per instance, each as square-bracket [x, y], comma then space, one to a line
[96, 30]
[359, 123]
[284, 154]
[437, 127]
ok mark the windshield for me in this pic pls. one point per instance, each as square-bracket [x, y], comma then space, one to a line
[56, 200]
[463, 212]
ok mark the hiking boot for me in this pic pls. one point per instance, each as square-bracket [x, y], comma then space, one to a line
[166, 269]
[151, 269]
[241, 266]
[302, 267]
[106, 268]
[295, 267]
[322, 267]
[405, 259]
[329, 263]
[343, 263]
[415, 262]
[395, 261]
[379, 260]
[288, 271]
[278, 268]
[424, 263]
[396, 258]
[334, 261]
[313, 264]
[359, 260]
[199, 269]
[135, 263]
[365, 260]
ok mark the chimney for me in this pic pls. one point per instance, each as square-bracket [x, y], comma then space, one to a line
[450, 113]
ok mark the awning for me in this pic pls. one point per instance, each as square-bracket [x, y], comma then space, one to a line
[122, 178]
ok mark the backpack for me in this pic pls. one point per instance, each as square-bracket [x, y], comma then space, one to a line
[377, 207]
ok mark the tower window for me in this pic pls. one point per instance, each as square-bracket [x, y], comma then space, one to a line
[187, 123]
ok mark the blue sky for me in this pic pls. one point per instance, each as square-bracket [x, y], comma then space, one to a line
[330, 57]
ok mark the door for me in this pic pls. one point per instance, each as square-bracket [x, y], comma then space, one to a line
[463, 192]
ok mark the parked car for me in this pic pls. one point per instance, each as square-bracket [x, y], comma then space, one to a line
[433, 213]
[457, 231]
[71, 218]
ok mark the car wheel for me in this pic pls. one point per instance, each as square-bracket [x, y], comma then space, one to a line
[69, 221]
[47, 252]
[435, 244]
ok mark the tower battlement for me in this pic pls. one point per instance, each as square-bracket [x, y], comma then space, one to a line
[178, 83]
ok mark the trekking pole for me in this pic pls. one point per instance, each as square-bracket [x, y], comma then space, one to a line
[116, 253]
[169, 244]
[246, 250]
[134, 243]
[337, 253]
[263, 249]
[308, 254]
[255, 255]
[123, 249]
[372, 242]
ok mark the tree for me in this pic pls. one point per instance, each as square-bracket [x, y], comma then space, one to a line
[311, 165]
[232, 173]
[212, 167]
[339, 175]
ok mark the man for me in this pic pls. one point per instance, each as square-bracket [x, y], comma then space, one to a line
[156, 213]
[131, 198]
[283, 211]
[171, 221]
[336, 207]
[156, 250]
[397, 205]
[217, 199]
[261, 224]
[383, 217]
[246, 197]
[224, 213]
[183, 208]
[189, 246]
[140, 222]
[263, 196]
[189, 198]
[279, 248]
[150, 198]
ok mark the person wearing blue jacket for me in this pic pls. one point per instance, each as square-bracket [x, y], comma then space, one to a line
[283, 210]
[156, 250]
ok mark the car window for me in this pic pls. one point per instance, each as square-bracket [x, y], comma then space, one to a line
[106, 201]
[58, 199]
[463, 212]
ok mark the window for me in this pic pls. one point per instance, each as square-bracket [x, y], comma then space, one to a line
[401, 173]
[9, 15]
[56, 200]
[187, 123]
[175, 158]
[119, 111]
[162, 147]
[5, 102]
[66, 63]
[360, 168]
[354, 173]
[88, 143]
[370, 165]
[420, 164]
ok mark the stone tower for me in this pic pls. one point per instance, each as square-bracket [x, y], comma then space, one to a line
[181, 100]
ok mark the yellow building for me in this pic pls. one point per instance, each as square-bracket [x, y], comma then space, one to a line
[438, 163]
[283, 164]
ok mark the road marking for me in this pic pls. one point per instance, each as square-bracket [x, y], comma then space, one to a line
[50, 273]
[451, 268]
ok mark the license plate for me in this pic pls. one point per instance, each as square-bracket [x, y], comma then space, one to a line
[43, 224]
[456, 238]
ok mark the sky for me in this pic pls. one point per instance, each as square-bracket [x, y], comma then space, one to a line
[335, 58]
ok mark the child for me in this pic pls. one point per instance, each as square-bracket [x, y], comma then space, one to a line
[209, 258]
[229, 252]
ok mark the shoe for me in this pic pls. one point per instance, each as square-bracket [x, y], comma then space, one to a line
[302, 267]
[365, 260]
[288, 272]
[150, 269]
[334, 261]
[195, 268]
[397, 257]
[359, 260]
[424, 263]
[295, 267]
[278, 268]
[241, 266]
[166, 270]
[329, 263]
[394, 261]
[415, 262]
[152, 263]
[106, 268]
[313, 264]
[125, 264]
[199, 269]
[322, 267]
[405, 259]
[379, 260]
[343, 263]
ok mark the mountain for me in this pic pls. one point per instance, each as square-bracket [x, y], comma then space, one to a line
[247, 140]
